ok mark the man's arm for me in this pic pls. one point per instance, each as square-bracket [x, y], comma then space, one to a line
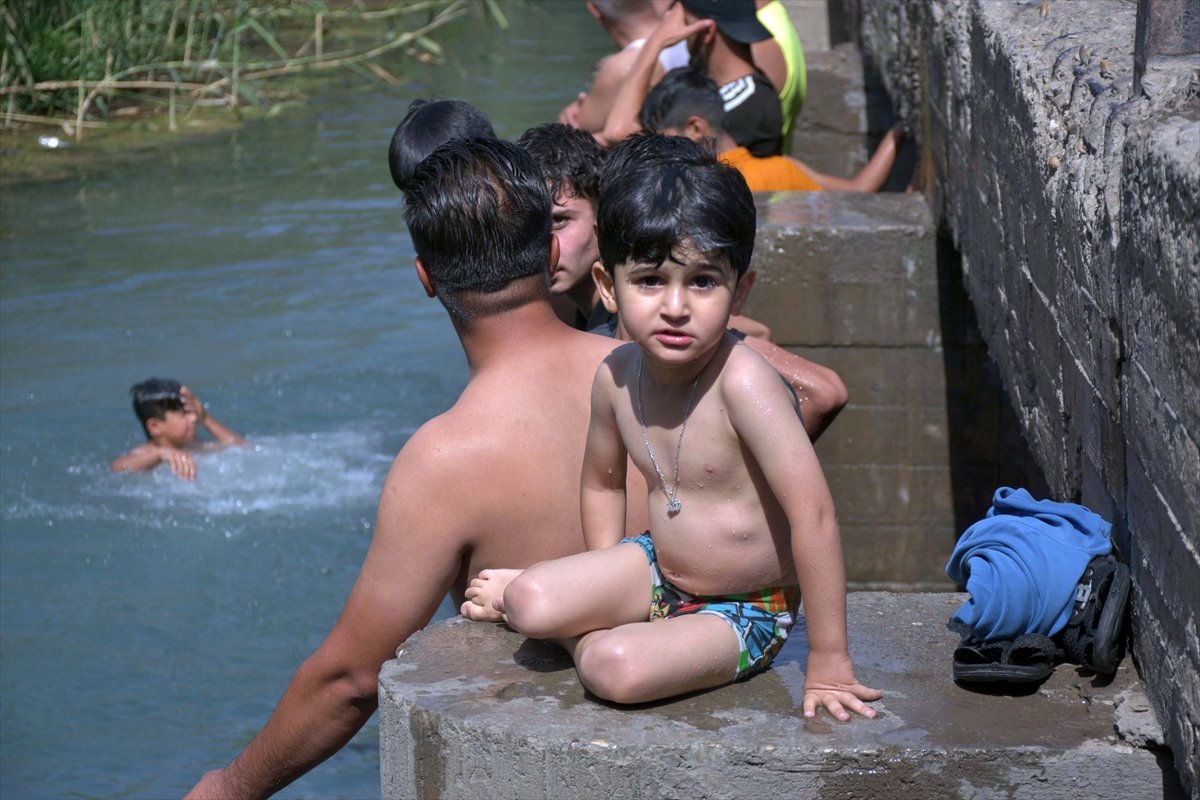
[820, 390]
[224, 436]
[871, 177]
[762, 415]
[594, 105]
[413, 560]
[602, 485]
[623, 118]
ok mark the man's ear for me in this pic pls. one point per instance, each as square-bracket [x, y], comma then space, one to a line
[741, 292]
[426, 281]
[604, 284]
[554, 253]
[595, 12]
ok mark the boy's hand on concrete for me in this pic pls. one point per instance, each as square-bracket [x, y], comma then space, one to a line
[182, 463]
[830, 682]
[192, 403]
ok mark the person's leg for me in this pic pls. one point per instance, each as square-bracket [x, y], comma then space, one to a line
[646, 661]
[578, 594]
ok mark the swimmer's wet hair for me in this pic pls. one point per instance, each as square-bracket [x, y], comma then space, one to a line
[153, 398]
[659, 192]
[427, 124]
[683, 93]
[479, 215]
[570, 159]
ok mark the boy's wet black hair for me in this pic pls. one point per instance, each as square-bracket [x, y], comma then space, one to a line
[682, 93]
[427, 124]
[570, 159]
[153, 398]
[479, 215]
[659, 192]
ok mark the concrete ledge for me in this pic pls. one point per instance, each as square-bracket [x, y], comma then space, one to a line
[474, 710]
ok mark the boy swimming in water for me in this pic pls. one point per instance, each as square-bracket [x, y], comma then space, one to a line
[169, 413]
[739, 508]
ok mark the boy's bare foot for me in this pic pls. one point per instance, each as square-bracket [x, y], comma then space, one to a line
[485, 595]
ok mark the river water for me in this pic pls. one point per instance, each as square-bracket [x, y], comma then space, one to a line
[149, 626]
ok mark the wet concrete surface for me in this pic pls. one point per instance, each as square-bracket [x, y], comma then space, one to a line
[474, 709]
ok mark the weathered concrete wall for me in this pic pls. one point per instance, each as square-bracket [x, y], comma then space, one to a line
[858, 283]
[1075, 203]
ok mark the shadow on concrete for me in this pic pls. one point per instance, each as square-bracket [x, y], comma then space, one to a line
[539, 656]
[987, 450]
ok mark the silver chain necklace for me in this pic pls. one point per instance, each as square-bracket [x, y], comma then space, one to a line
[673, 504]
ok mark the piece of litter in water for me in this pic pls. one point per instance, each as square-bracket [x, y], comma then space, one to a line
[52, 143]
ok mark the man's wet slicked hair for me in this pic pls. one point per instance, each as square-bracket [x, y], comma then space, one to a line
[427, 124]
[479, 215]
[660, 192]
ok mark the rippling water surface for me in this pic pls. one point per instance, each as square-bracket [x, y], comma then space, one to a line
[148, 625]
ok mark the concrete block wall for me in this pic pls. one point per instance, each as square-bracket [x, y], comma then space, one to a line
[862, 284]
[1074, 201]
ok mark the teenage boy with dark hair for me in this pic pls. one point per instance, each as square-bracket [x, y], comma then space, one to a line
[570, 161]
[479, 215]
[427, 124]
[169, 413]
[740, 511]
[687, 103]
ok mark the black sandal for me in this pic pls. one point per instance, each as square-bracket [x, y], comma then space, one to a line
[1094, 636]
[1029, 658]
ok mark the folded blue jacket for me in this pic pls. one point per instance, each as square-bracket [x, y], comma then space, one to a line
[1022, 562]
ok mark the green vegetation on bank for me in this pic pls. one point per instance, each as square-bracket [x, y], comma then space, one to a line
[84, 64]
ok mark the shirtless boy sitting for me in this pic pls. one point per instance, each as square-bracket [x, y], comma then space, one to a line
[738, 505]
[169, 413]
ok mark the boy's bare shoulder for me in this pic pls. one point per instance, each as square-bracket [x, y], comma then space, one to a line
[621, 362]
[747, 375]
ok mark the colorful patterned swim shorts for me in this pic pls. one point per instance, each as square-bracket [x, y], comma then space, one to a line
[760, 620]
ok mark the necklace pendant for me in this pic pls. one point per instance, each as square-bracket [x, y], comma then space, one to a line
[674, 506]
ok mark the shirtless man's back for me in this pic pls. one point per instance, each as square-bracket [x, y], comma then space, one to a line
[493, 481]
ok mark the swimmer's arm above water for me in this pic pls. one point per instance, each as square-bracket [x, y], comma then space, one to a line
[150, 455]
[223, 435]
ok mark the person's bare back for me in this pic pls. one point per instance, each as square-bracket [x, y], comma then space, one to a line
[512, 449]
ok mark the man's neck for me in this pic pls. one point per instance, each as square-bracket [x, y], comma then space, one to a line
[585, 296]
[501, 338]
[725, 143]
[728, 61]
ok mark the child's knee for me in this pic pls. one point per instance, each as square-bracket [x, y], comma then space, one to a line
[529, 606]
[609, 669]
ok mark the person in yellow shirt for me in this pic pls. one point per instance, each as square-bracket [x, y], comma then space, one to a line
[687, 103]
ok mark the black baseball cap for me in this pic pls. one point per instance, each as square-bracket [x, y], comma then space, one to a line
[735, 18]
